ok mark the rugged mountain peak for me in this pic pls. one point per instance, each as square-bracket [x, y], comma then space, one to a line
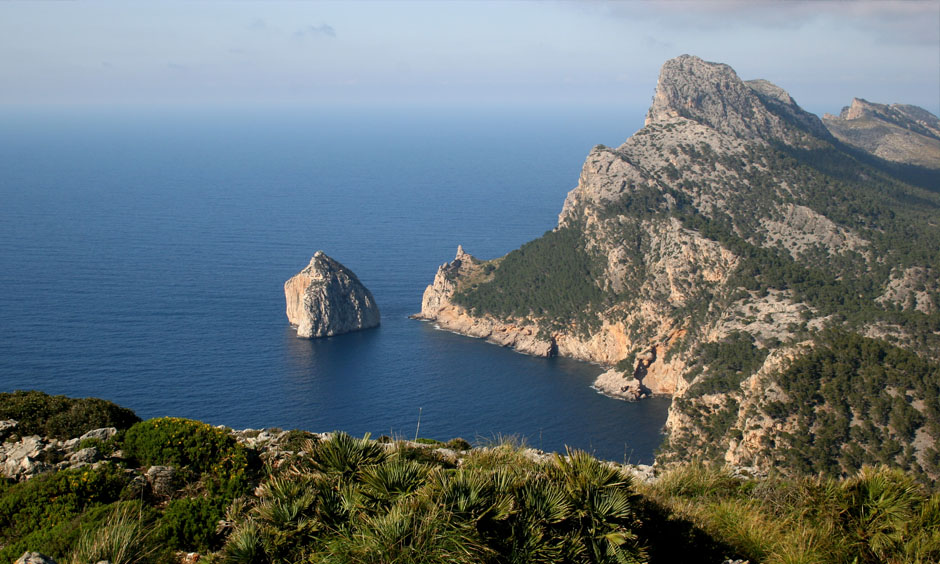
[326, 298]
[907, 116]
[897, 132]
[713, 95]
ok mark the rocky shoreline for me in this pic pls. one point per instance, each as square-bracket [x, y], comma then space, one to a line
[605, 347]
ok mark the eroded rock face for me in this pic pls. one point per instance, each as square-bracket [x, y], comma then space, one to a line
[326, 299]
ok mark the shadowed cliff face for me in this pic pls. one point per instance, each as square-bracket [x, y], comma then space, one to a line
[326, 299]
[708, 251]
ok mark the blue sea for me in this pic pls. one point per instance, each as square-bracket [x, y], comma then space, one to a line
[143, 254]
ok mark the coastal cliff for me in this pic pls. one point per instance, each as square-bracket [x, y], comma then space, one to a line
[326, 298]
[725, 247]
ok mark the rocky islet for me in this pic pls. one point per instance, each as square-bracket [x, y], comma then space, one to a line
[326, 299]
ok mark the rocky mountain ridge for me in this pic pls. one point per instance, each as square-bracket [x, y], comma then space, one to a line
[896, 132]
[717, 247]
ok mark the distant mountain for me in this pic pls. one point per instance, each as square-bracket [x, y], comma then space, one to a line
[783, 287]
[899, 132]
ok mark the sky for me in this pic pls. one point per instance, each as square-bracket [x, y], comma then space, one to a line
[453, 53]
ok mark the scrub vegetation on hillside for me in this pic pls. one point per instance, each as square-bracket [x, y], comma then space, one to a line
[345, 499]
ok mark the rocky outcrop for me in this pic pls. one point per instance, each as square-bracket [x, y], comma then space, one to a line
[913, 288]
[897, 132]
[25, 457]
[610, 343]
[326, 299]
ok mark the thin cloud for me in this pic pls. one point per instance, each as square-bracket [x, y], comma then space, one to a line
[892, 22]
[655, 43]
[322, 30]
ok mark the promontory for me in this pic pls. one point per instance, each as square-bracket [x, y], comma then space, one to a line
[777, 279]
[326, 299]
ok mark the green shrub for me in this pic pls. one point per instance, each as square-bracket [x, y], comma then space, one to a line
[190, 524]
[296, 440]
[173, 441]
[38, 413]
[458, 444]
[225, 467]
[45, 513]
[424, 455]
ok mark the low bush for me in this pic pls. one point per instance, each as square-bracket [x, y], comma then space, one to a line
[458, 444]
[296, 440]
[60, 417]
[190, 524]
[47, 512]
[224, 467]
[880, 515]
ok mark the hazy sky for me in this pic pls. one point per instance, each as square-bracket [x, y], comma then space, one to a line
[458, 53]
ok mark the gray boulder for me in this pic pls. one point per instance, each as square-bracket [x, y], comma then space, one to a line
[34, 558]
[86, 455]
[102, 434]
[162, 480]
[6, 428]
[20, 460]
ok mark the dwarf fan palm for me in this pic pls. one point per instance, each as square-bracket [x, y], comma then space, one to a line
[409, 532]
[600, 496]
[345, 456]
[535, 534]
[879, 505]
[244, 546]
[383, 483]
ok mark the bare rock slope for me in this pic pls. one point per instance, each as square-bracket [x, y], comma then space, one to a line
[326, 298]
[726, 242]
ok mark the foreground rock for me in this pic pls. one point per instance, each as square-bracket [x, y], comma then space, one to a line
[326, 299]
[34, 558]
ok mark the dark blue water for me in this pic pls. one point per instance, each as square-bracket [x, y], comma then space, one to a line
[143, 256]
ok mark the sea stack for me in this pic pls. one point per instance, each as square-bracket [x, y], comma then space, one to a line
[326, 299]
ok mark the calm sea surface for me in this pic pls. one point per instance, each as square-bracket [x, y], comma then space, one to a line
[143, 256]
